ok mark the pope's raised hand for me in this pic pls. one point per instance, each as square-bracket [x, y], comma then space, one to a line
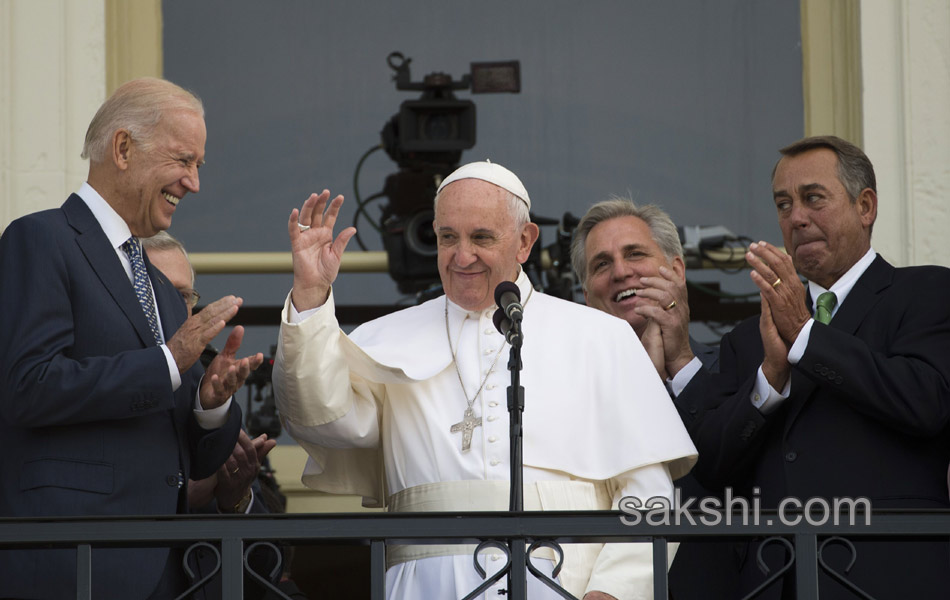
[316, 254]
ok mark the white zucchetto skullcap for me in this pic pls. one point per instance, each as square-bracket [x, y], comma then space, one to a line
[492, 173]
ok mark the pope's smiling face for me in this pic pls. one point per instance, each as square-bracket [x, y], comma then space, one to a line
[479, 243]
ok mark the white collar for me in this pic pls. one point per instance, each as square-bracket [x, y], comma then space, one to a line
[523, 283]
[842, 287]
[114, 226]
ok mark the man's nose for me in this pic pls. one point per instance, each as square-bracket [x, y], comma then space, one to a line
[465, 254]
[191, 181]
[619, 270]
[798, 215]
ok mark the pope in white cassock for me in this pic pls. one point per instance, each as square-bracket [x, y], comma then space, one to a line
[410, 410]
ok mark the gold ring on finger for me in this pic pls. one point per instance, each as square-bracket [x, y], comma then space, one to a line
[303, 227]
[777, 283]
[670, 305]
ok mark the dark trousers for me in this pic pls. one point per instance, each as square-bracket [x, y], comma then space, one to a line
[173, 581]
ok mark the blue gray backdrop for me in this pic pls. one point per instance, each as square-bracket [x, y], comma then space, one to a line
[682, 103]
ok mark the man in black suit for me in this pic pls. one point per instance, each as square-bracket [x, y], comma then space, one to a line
[103, 407]
[840, 395]
[234, 487]
[629, 260]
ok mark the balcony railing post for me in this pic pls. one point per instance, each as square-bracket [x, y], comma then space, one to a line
[806, 566]
[518, 575]
[84, 572]
[660, 560]
[232, 568]
[377, 584]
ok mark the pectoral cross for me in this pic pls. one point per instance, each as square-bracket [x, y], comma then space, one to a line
[467, 425]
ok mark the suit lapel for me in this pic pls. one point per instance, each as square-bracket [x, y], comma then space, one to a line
[862, 297]
[100, 254]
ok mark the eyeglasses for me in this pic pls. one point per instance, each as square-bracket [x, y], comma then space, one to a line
[190, 297]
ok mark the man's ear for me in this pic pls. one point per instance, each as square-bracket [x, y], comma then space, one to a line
[867, 206]
[529, 235]
[121, 148]
[679, 267]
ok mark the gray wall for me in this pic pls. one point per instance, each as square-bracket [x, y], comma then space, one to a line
[681, 103]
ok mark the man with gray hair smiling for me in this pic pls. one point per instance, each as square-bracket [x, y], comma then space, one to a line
[103, 407]
[629, 261]
[417, 399]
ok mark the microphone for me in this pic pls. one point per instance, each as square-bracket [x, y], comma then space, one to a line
[507, 328]
[508, 299]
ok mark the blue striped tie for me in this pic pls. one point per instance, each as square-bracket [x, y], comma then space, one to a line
[142, 285]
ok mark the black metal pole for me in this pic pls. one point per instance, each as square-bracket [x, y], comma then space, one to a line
[515, 414]
[517, 577]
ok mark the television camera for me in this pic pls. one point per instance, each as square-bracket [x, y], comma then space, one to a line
[426, 139]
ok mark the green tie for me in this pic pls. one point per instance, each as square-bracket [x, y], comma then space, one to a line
[826, 303]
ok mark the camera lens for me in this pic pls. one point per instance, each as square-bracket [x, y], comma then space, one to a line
[420, 237]
[439, 127]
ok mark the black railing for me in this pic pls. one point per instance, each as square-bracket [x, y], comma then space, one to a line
[236, 533]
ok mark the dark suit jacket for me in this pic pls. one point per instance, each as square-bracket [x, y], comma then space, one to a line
[703, 569]
[867, 416]
[88, 419]
[707, 355]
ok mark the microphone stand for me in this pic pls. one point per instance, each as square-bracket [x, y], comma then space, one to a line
[517, 578]
[509, 325]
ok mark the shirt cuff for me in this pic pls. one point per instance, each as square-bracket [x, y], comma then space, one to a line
[684, 376]
[764, 397]
[173, 373]
[213, 417]
[801, 342]
[299, 317]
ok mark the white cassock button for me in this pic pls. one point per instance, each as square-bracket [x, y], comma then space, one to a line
[490, 386]
[496, 557]
[492, 418]
[494, 462]
[493, 404]
[489, 331]
[492, 439]
[489, 351]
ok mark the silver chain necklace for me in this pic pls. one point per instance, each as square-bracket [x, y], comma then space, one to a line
[469, 421]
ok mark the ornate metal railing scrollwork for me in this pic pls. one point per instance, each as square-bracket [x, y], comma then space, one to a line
[760, 560]
[809, 546]
[558, 563]
[274, 573]
[503, 547]
[197, 584]
[839, 577]
[506, 568]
